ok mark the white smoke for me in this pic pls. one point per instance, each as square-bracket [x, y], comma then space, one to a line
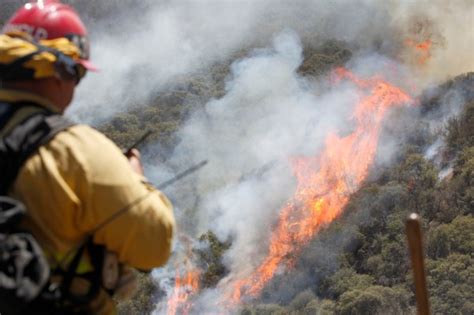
[143, 55]
[448, 24]
[269, 112]
[143, 50]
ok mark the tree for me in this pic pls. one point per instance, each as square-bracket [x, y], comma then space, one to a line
[347, 279]
[455, 237]
[451, 283]
[374, 300]
[210, 259]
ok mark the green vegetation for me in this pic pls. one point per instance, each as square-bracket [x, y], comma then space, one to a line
[374, 275]
[210, 258]
[359, 264]
[143, 300]
[165, 115]
[368, 270]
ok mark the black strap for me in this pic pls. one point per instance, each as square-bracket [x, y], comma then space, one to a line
[94, 277]
[16, 146]
[15, 70]
[6, 112]
[25, 138]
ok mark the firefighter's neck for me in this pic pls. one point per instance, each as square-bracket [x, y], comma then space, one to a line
[58, 92]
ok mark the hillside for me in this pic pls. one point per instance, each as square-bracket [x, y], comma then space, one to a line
[371, 273]
[267, 100]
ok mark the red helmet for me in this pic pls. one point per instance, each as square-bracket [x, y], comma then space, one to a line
[50, 19]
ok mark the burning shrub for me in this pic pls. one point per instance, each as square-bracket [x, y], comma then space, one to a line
[210, 258]
[329, 55]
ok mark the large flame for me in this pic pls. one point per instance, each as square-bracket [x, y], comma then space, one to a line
[185, 287]
[325, 182]
[186, 284]
[324, 185]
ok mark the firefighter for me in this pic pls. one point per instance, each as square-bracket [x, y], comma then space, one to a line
[78, 180]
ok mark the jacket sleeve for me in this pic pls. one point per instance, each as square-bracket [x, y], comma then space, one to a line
[142, 234]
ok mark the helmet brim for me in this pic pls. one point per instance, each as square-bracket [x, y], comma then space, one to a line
[88, 65]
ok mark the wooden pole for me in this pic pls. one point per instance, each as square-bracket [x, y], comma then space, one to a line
[415, 245]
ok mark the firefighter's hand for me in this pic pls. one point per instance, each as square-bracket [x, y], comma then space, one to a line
[127, 283]
[134, 158]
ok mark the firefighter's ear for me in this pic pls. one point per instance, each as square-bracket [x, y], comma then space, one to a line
[61, 91]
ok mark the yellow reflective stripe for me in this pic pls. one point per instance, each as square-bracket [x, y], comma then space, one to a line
[84, 266]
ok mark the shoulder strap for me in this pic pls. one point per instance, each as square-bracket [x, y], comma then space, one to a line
[23, 129]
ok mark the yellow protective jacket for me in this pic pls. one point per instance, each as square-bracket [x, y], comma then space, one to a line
[78, 180]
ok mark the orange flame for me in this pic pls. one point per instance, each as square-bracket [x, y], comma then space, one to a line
[184, 288]
[423, 49]
[325, 182]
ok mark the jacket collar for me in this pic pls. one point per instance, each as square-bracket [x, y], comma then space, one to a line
[15, 96]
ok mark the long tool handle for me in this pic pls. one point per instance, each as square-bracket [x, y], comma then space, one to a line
[184, 173]
[138, 142]
[415, 245]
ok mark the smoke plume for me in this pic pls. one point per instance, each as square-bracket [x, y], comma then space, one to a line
[142, 49]
[269, 112]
